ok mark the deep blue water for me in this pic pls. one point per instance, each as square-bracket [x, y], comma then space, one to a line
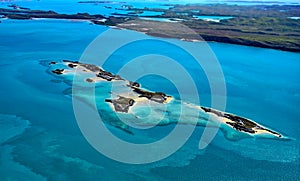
[262, 84]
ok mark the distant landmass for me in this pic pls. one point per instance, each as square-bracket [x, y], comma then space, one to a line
[276, 27]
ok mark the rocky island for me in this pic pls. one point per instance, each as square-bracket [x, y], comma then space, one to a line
[129, 98]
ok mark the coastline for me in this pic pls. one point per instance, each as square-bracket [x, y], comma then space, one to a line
[213, 38]
[226, 31]
[129, 95]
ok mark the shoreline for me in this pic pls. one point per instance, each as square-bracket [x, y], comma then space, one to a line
[207, 38]
[229, 31]
[159, 29]
[129, 95]
[226, 40]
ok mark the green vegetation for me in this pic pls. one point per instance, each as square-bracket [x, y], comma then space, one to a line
[262, 26]
[279, 33]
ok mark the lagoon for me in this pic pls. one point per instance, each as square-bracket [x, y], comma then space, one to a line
[162, 19]
[213, 18]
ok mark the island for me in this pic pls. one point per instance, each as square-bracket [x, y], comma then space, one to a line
[129, 98]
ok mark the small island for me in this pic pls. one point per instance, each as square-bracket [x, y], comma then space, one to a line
[129, 98]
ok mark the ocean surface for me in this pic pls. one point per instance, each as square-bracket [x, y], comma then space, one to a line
[116, 6]
[40, 138]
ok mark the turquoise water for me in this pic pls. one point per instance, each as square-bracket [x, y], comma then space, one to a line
[162, 19]
[144, 13]
[242, 2]
[262, 84]
[213, 18]
[150, 13]
[72, 7]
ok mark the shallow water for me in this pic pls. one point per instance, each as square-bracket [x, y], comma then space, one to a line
[262, 84]
[213, 18]
[162, 19]
[116, 6]
[72, 7]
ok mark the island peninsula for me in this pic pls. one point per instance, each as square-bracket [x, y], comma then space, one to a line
[266, 26]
